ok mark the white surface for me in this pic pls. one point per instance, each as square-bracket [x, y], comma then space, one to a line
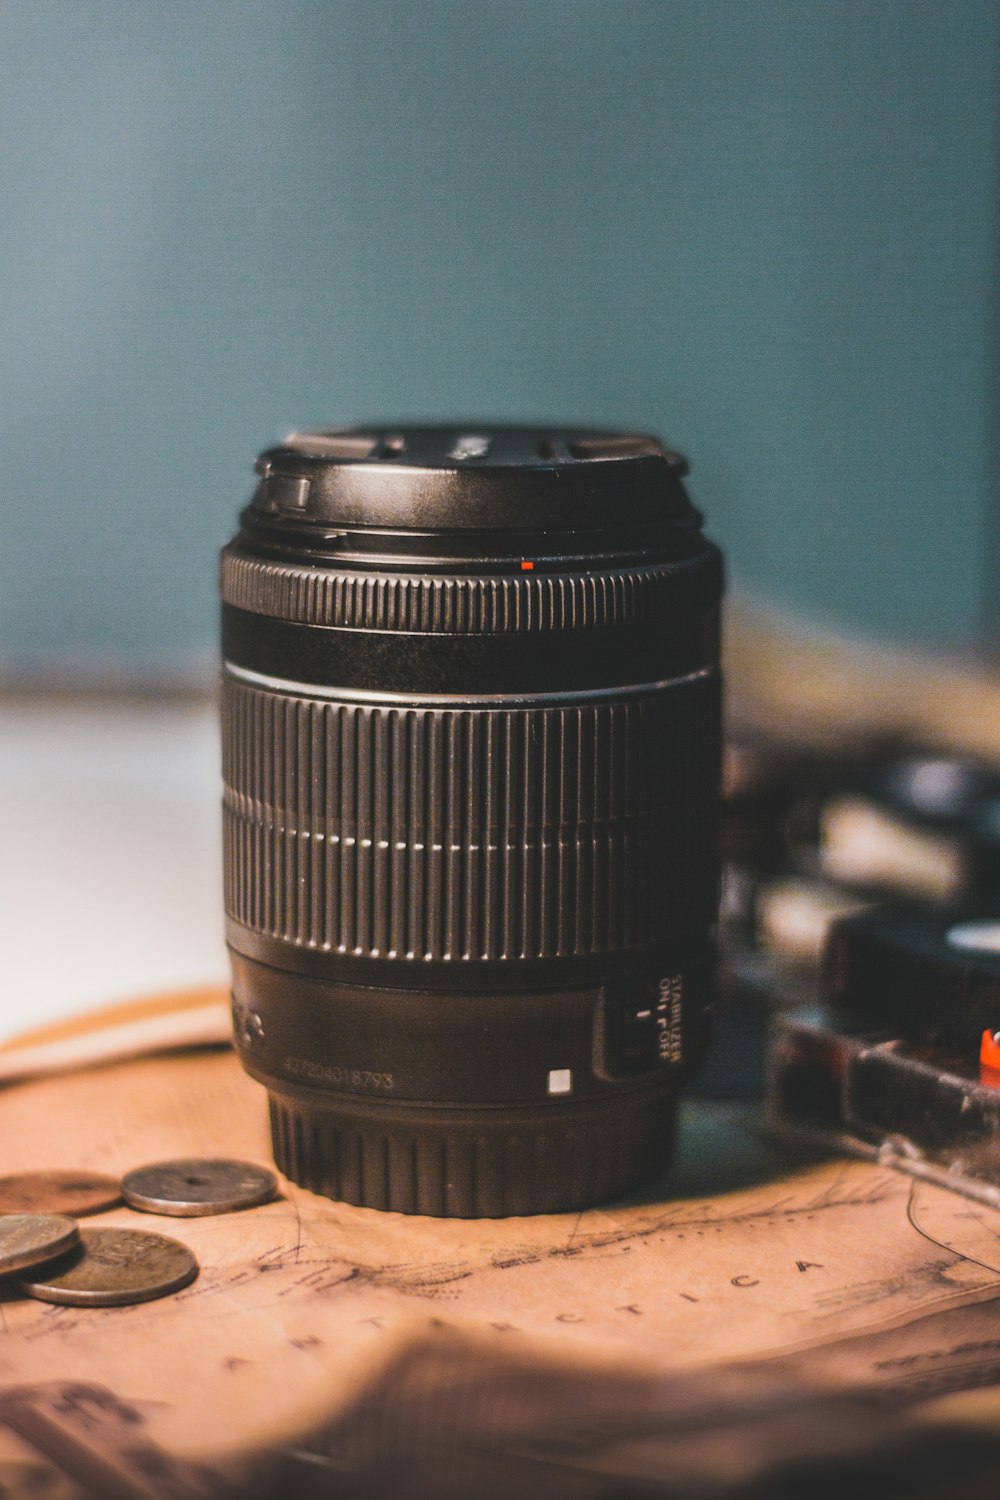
[110, 859]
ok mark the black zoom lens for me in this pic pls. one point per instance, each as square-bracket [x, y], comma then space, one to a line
[471, 761]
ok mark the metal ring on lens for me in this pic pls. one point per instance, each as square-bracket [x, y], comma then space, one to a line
[433, 700]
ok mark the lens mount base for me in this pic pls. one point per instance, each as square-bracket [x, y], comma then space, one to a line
[474, 1163]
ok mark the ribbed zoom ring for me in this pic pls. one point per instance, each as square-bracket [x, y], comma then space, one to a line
[470, 833]
[455, 603]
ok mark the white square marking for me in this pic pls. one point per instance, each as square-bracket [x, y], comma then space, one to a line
[560, 1080]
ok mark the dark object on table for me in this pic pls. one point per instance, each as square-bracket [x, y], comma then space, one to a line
[471, 749]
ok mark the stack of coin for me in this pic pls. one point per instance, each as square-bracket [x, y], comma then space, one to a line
[49, 1257]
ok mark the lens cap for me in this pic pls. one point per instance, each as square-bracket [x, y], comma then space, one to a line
[472, 477]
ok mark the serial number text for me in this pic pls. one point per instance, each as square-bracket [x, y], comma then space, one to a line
[339, 1076]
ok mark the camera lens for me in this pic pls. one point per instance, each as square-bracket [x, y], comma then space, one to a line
[471, 765]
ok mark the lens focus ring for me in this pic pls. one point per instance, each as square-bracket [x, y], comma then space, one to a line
[439, 833]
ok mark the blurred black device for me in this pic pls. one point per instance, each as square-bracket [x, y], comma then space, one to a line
[471, 761]
[902, 1058]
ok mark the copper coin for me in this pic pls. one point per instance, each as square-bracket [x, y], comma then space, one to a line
[113, 1268]
[31, 1239]
[73, 1193]
[201, 1185]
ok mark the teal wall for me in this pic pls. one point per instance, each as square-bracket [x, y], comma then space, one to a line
[766, 228]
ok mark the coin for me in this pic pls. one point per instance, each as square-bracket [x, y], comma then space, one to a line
[113, 1268]
[211, 1185]
[29, 1239]
[73, 1193]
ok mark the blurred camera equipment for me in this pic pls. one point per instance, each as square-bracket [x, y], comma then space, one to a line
[471, 762]
[902, 1060]
[922, 825]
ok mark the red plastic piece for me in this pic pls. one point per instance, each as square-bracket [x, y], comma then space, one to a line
[989, 1059]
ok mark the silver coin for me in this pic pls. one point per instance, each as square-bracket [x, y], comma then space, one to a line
[209, 1185]
[31, 1239]
[114, 1268]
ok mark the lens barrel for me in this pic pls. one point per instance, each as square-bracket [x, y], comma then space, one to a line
[471, 765]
